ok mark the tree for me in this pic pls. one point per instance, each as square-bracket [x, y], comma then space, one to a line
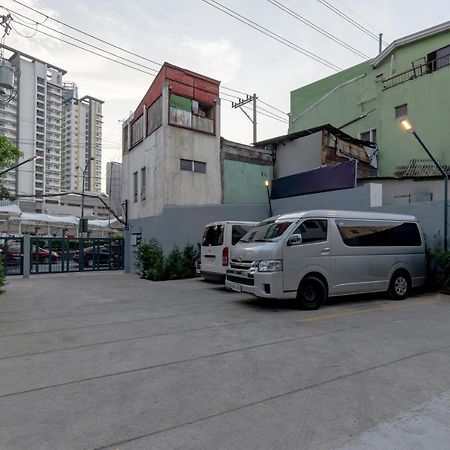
[9, 154]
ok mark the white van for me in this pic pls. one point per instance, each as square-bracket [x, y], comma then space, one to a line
[313, 255]
[218, 239]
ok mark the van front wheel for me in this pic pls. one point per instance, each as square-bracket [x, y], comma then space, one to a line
[400, 285]
[311, 293]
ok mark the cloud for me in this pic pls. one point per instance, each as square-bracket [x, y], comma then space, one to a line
[215, 58]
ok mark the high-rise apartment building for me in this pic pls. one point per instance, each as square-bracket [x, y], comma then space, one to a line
[81, 141]
[114, 185]
[32, 121]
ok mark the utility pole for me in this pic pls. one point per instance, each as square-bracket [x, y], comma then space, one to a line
[241, 103]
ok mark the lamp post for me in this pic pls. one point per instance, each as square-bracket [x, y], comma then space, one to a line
[407, 126]
[82, 227]
[267, 184]
[33, 158]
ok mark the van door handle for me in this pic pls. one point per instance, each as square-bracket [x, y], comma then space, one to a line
[325, 251]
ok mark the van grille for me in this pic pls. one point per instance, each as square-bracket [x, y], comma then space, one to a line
[246, 281]
[235, 264]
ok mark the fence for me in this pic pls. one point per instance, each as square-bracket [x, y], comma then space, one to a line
[37, 255]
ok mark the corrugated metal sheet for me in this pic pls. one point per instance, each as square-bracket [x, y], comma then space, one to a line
[420, 168]
[181, 118]
[203, 124]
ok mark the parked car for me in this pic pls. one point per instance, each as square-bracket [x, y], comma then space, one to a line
[218, 239]
[41, 255]
[12, 255]
[313, 255]
[99, 255]
[44, 255]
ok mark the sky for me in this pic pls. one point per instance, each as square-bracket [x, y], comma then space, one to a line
[196, 36]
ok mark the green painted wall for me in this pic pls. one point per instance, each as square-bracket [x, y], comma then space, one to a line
[244, 182]
[428, 99]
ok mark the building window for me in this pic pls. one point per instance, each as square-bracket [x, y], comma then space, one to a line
[154, 116]
[401, 111]
[143, 183]
[186, 164]
[192, 114]
[135, 187]
[125, 139]
[192, 166]
[438, 59]
[370, 135]
[199, 167]
[137, 131]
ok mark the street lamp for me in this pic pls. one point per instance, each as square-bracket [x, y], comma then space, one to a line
[267, 184]
[33, 158]
[407, 126]
[83, 225]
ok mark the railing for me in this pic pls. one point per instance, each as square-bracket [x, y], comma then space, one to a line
[416, 72]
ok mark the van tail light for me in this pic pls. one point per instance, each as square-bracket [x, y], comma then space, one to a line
[225, 256]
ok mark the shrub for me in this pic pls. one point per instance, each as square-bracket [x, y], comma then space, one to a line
[173, 268]
[179, 264]
[190, 254]
[150, 260]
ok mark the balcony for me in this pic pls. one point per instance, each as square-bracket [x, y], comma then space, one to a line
[416, 72]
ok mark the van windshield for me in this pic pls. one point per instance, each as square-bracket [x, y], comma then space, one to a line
[266, 231]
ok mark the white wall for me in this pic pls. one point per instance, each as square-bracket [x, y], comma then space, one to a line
[160, 154]
[298, 156]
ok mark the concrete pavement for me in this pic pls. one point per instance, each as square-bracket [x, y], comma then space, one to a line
[106, 360]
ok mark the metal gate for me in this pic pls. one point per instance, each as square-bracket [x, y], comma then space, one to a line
[57, 255]
[11, 251]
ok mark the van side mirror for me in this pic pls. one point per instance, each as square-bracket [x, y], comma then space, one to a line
[294, 239]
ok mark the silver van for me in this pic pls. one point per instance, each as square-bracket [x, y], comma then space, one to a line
[218, 239]
[312, 255]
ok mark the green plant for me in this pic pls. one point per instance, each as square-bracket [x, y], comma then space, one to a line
[190, 254]
[150, 260]
[173, 268]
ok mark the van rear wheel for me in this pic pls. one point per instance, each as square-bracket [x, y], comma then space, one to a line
[311, 293]
[400, 285]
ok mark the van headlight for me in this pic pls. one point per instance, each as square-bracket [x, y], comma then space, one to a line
[270, 265]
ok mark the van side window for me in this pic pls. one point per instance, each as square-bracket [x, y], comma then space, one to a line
[369, 233]
[312, 230]
[237, 231]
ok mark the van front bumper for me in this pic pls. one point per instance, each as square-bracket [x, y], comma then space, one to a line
[260, 284]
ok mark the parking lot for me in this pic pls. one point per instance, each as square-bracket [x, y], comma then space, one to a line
[107, 360]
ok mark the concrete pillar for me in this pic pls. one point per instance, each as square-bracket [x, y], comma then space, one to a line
[26, 255]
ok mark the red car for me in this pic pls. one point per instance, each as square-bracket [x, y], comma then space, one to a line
[44, 256]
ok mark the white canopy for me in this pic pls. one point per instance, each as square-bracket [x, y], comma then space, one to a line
[10, 210]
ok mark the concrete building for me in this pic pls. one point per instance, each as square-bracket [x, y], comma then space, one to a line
[171, 144]
[114, 185]
[82, 141]
[410, 78]
[173, 153]
[32, 121]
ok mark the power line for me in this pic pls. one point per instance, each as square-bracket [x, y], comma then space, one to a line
[350, 20]
[262, 113]
[90, 51]
[47, 17]
[271, 34]
[83, 42]
[317, 28]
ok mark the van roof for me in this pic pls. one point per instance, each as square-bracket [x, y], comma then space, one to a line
[232, 222]
[330, 213]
